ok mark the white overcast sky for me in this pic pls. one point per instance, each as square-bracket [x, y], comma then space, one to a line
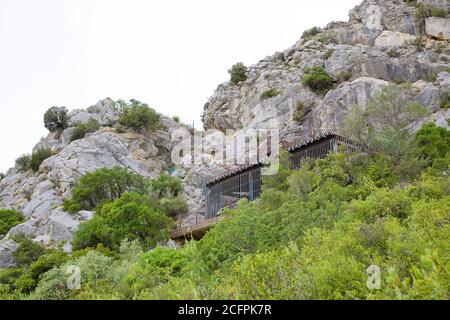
[171, 54]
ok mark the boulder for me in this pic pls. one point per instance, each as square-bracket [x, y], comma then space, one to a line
[389, 39]
[438, 27]
[7, 247]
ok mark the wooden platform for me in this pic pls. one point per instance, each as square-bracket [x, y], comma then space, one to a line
[195, 231]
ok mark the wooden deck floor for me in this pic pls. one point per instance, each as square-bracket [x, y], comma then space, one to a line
[196, 231]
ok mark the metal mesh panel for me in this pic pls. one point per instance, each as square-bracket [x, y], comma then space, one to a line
[228, 192]
[248, 182]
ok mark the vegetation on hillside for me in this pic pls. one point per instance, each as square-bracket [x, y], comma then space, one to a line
[318, 80]
[313, 234]
[238, 73]
[9, 219]
[56, 118]
[95, 188]
[81, 129]
[137, 116]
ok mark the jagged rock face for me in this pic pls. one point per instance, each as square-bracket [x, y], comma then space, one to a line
[375, 47]
[40, 195]
[438, 27]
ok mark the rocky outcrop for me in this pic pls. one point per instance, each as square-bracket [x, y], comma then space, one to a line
[40, 195]
[383, 42]
[438, 27]
[7, 247]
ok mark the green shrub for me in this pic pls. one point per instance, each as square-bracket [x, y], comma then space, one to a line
[27, 252]
[103, 185]
[439, 12]
[308, 34]
[383, 126]
[273, 275]
[28, 281]
[432, 142]
[270, 94]
[393, 53]
[138, 116]
[318, 80]
[444, 100]
[94, 267]
[238, 73]
[156, 266]
[165, 185]
[173, 206]
[23, 163]
[38, 157]
[344, 76]
[9, 219]
[56, 118]
[176, 119]
[132, 216]
[418, 42]
[327, 55]
[299, 112]
[81, 129]
[325, 38]
[428, 10]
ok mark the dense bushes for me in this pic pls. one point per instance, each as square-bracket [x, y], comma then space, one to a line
[33, 162]
[23, 163]
[383, 127]
[38, 157]
[9, 219]
[312, 234]
[432, 143]
[313, 238]
[27, 252]
[81, 129]
[137, 116]
[428, 10]
[308, 34]
[127, 207]
[270, 94]
[165, 185]
[318, 80]
[95, 188]
[56, 118]
[30, 277]
[238, 73]
[132, 216]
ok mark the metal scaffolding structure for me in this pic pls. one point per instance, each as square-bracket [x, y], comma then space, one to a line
[226, 190]
[320, 148]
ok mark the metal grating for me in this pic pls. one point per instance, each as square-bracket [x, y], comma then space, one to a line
[225, 190]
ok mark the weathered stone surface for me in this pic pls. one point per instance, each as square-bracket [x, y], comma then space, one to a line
[40, 195]
[438, 27]
[389, 39]
[386, 15]
[443, 79]
[356, 49]
[7, 247]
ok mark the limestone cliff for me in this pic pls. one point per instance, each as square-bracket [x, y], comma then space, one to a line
[384, 41]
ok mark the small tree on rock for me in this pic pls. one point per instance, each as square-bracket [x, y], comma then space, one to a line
[238, 73]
